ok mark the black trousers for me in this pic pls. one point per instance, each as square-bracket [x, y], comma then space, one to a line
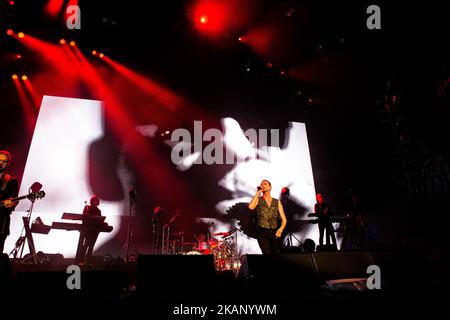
[91, 239]
[2, 242]
[267, 241]
[328, 227]
[4, 230]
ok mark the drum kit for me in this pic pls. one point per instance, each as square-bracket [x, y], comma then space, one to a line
[222, 245]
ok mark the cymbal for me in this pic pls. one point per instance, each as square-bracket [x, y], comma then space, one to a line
[223, 234]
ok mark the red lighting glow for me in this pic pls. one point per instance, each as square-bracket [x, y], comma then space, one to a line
[24, 78]
[203, 19]
[94, 52]
[21, 35]
[29, 113]
[211, 16]
[72, 43]
[9, 32]
[101, 55]
[62, 41]
[218, 17]
[14, 77]
[54, 7]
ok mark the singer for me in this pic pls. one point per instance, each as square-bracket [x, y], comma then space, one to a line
[268, 211]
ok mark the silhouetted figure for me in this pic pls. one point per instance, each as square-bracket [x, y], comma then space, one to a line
[92, 224]
[9, 188]
[323, 213]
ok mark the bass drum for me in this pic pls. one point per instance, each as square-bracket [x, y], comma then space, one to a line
[193, 253]
[204, 248]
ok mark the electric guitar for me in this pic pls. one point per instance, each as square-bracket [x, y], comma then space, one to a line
[31, 196]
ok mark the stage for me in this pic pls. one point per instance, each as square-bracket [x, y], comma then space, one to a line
[291, 276]
[237, 154]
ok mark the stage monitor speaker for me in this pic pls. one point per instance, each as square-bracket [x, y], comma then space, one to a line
[342, 264]
[175, 276]
[405, 271]
[326, 248]
[283, 275]
[98, 284]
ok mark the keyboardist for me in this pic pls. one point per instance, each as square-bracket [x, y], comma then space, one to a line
[92, 227]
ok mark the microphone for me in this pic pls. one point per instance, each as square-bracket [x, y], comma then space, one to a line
[259, 188]
[36, 187]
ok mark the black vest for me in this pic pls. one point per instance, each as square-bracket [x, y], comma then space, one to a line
[267, 217]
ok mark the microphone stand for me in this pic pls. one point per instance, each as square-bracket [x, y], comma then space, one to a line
[154, 236]
[126, 246]
[166, 241]
[20, 243]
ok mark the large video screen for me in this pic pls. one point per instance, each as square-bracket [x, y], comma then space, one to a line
[65, 157]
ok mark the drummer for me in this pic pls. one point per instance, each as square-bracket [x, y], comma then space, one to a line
[203, 245]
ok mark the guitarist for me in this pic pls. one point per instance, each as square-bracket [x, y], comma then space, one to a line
[9, 188]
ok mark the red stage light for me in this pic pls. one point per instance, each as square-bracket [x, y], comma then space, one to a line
[24, 78]
[211, 17]
[204, 19]
[15, 77]
[101, 55]
[18, 56]
[94, 52]
[9, 32]
[62, 41]
[218, 17]
[72, 43]
[54, 7]
[11, 3]
[21, 35]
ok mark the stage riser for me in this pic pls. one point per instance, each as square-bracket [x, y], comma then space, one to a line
[175, 276]
[166, 277]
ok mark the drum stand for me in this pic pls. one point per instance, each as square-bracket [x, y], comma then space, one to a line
[231, 254]
[20, 243]
[288, 241]
[166, 235]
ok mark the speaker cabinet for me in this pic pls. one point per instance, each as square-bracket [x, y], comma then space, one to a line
[175, 276]
[283, 275]
[342, 264]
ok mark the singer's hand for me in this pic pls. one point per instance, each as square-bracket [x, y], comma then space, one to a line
[278, 234]
[259, 191]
